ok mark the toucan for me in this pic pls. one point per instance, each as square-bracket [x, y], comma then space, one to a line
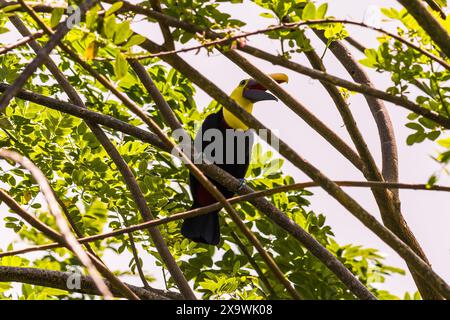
[229, 142]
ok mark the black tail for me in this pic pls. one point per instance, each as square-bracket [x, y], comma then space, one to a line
[203, 229]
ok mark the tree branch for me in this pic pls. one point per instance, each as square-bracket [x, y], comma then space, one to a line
[217, 206]
[383, 197]
[8, 47]
[429, 23]
[349, 203]
[168, 39]
[101, 137]
[167, 111]
[224, 179]
[222, 38]
[62, 29]
[433, 5]
[129, 179]
[59, 280]
[149, 137]
[55, 210]
[52, 234]
[361, 88]
[393, 219]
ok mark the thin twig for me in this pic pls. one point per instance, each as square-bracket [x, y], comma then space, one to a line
[58, 280]
[217, 206]
[358, 87]
[62, 29]
[55, 210]
[170, 117]
[129, 179]
[8, 47]
[285, 150]
[54, 235]
[429, 23]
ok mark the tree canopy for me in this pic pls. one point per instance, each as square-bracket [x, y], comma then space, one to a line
[91, 100]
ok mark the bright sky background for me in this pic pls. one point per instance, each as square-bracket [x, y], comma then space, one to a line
[427, 213]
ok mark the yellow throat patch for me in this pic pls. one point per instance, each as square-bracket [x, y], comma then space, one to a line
[246, 104]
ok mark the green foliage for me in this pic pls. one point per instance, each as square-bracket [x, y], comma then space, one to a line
[96, 198]
[414, 73]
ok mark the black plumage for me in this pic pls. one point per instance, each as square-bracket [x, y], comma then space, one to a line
[206, 228]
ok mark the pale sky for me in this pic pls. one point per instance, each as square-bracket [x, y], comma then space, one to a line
[427, 213]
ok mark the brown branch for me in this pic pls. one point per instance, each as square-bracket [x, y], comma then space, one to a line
[129, 179]
[355, 43]
[136, 109]
[169, 117]
[55, 210]
[433, 5]
[58, 280]
[54, 235]
[96, 117]
[383, 197]
[371, 172]
[62, 29]
[217, 206]
[163, 107]
[165, 30]
[335, 191]
[293, 25]
[417, 8]
[361, 88]
[137, 261]
[378, 109]
[389, 203]
[349, 85]
[230, 39]
[154, 127]
[102, 138]
[393, 241]
[393, 219]
[429, 23]
[305, 238]
[8, 47]
[143, 135]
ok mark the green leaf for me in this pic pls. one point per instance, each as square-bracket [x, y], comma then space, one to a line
[56, 17]
[11, 8]
[120, 66]
[322, 11]
[309, 12]
[109, 26]
[371, 58]
[135, 40]
[433, 135]
[267, 15]
[445, 142]
[391, 13]
[116, 6]
[123, 32]
[54, 292]
[414, 126]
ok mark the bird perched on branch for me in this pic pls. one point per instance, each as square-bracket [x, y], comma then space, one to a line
[227, 142]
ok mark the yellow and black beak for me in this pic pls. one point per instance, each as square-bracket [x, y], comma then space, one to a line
[255, 92]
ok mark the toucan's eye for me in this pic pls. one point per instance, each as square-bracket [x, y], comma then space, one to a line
[242, 82]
